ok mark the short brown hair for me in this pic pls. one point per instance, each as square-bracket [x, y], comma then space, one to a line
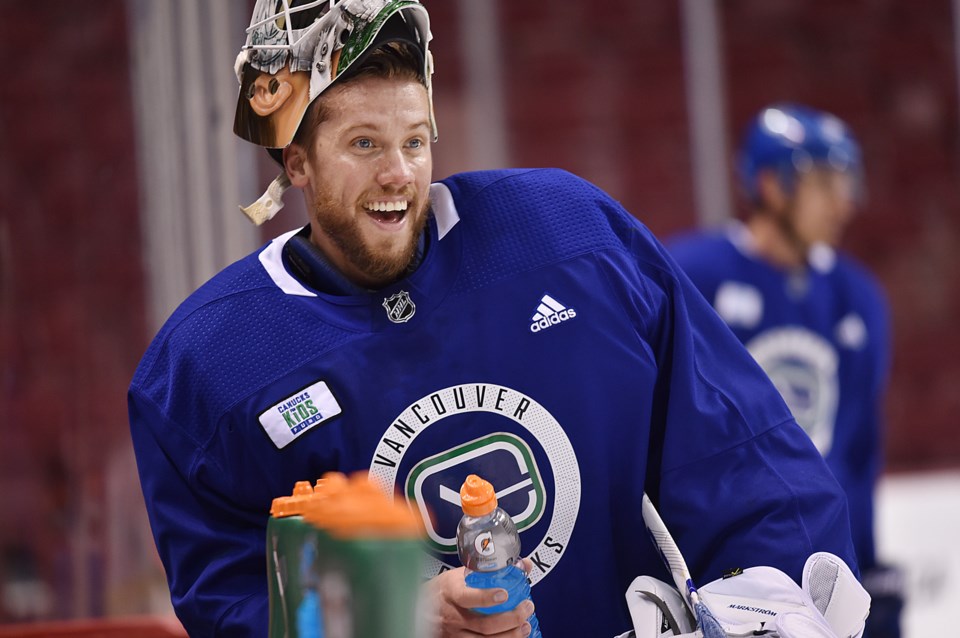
[392, 60]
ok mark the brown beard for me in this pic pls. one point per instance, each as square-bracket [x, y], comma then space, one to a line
[343, 230]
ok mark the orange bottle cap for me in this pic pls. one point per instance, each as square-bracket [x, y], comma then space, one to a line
[477, 496]
[302, 488]
[330, 480]
[293, 505]
[360, 509]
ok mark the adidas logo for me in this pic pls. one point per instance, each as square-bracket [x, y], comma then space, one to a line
[550, 312]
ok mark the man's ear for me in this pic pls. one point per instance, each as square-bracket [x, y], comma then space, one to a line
[268, 94]
[770, 191]
[295, 162]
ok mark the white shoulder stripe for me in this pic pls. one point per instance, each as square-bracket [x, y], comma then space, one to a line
[444, 208]
[272, 261]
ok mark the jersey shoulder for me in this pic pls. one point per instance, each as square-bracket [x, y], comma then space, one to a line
[546, 200]
[697, 247]
[521, 219]
[706, 257]
[864, 296]
[859, 281]
[218, 345]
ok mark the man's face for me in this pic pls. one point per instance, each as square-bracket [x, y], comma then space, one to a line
[368, 172]
[823, 204]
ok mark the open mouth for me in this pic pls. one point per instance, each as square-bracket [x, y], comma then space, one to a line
[387, 212]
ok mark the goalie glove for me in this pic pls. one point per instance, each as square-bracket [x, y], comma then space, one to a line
[836, 593]
[759, 601]
[657, 610]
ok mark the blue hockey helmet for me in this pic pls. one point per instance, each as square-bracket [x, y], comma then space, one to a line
[791, 139]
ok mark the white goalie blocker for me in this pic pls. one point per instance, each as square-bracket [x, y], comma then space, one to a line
[759, 601]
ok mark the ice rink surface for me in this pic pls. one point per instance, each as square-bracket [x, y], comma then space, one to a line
[918, 529]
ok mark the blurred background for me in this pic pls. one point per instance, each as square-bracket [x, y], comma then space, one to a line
[120, 180]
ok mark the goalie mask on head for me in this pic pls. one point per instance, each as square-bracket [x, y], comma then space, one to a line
[297, 49]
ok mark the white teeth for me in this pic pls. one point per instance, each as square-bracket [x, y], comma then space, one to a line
[386, 207]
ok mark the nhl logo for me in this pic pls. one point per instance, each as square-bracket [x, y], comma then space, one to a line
[399, 307]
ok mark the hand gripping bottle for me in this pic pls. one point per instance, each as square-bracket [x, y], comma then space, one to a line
[489, 548]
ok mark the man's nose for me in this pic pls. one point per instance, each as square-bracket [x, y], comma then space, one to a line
[395, 169]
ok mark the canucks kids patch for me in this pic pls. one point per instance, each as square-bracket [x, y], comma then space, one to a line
[298, 413]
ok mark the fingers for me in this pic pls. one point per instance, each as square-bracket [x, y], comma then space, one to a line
[509, 624]
[470, 597]
[453, 603]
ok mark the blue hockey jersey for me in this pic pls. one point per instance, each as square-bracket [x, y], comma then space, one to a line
[546, 342]
[822, 335]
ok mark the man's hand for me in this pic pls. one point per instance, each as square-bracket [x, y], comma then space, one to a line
[453, 602]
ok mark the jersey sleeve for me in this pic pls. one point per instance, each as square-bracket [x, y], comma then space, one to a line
[208, 545]
[696, 255]
[734, 477]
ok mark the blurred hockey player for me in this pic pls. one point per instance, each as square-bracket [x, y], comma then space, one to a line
[815, 320]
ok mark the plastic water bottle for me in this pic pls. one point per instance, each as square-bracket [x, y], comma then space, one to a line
[291, 551]
[287, 562]
[489, 548]
[368, 564]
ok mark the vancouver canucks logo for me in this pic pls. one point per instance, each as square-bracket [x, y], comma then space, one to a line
[400, 307]
[803, 366]
[490, 430]
[433, 484]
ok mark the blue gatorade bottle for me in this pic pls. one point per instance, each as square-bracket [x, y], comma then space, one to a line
[489, 548]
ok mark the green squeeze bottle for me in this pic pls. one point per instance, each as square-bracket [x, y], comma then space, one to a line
[291, 550]
[368, 566]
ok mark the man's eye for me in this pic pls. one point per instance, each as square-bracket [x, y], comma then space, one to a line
[364, 143]
[416, 143]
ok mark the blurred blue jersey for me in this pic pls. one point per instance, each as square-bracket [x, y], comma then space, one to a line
[822, 335]
[546, 342]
